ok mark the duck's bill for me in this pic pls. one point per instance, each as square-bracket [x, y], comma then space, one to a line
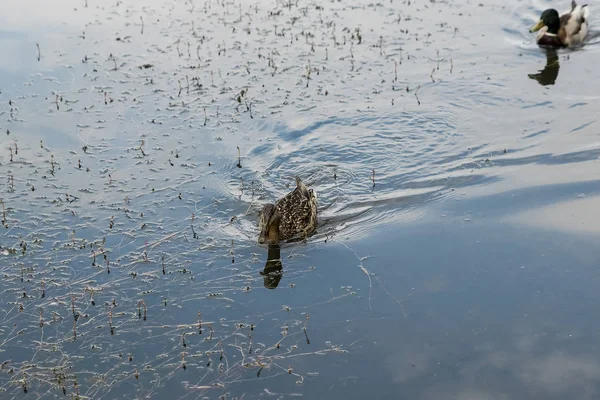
[262, 238]
[537, 26]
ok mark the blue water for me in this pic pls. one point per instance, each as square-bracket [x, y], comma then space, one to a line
[456, 170]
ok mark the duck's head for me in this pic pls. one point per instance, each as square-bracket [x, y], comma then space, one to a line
[549, 19]
[268, 223]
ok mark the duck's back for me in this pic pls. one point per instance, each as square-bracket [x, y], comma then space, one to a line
[298, 210]
[577, 27]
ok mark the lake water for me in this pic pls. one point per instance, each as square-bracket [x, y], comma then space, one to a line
[456, 166]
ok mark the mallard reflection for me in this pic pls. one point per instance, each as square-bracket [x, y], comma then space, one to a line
[548, 75]
[273, 271]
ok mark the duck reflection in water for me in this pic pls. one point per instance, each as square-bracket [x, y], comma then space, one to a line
[273, 271]
[548, 75]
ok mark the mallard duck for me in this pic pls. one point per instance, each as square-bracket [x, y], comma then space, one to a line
[567, 30]
[292, 216]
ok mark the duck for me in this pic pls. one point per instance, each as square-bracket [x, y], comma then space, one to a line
[566, 30]
[291, 217]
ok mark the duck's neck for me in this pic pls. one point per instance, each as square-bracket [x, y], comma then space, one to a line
[553, 26]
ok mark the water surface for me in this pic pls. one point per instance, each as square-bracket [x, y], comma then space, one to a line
[457, 187]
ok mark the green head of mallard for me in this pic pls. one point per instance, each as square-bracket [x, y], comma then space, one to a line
[549, 19]
[268, 224]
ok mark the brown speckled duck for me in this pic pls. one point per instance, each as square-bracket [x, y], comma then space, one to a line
[566, 30]
[292, 216]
